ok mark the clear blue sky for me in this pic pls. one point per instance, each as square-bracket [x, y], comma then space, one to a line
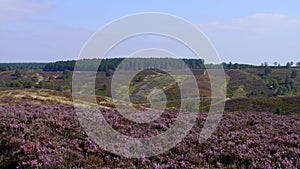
[242, 31]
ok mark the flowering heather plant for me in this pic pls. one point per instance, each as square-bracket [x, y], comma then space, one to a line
[50, 136]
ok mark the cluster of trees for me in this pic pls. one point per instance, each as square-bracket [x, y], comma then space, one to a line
[60, 66]
[231, 65]
[277, 65]
[237, 66]
[23, 80]
[286, 87]
[19, 82]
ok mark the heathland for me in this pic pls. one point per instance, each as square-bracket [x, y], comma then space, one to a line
[40, 128]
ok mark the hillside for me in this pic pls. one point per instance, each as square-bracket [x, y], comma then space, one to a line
[241, 83]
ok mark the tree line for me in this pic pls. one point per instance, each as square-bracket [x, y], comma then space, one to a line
[22, 66]
[231, 65]
[107, 65]
[111, 64]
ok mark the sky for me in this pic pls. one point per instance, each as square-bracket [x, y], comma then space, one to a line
[252, 31]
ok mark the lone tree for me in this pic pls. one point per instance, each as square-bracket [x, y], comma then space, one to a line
[294, 74]
[268, 71]
[18, 74]
[287, 80]
[67, 74]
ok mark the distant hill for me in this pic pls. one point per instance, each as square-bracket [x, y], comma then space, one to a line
[243, 81]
